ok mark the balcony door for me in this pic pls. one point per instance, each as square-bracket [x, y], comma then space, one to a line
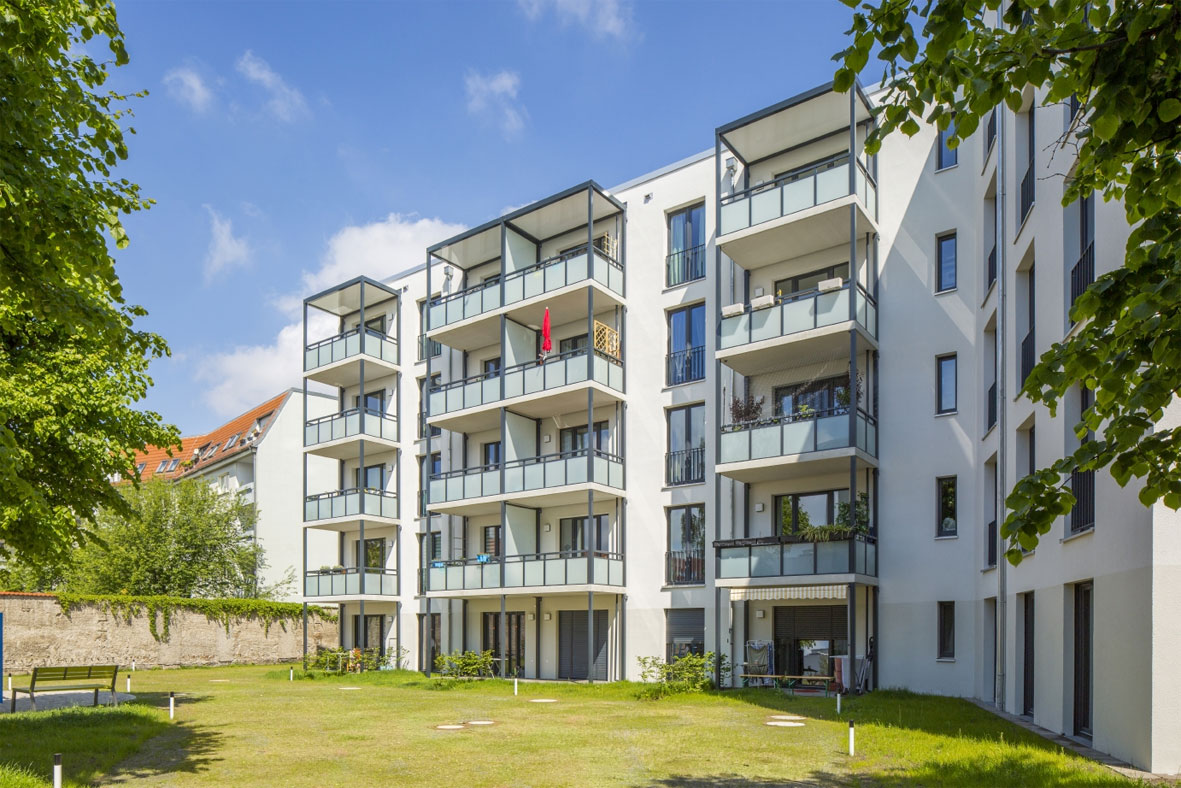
[686, 445]
[686, 545]
[572, 625]
[686, 344]
[812, 399]
[572, 439]
[577, 538]
[372, 479]
[800, 511]
[374, 402]
[807, 637]
[809, 282]
[1083, 661]
[514, 656]
[369, 633]
[686, 245]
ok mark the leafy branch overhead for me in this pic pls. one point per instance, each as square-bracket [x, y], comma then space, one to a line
[947, 59]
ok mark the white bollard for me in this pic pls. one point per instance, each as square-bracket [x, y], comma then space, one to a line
[514, 685]
[133, 666]
[128, 684]
[57, 770]
[838, 704]
[172, 714]
[291, 675]
[850, 738]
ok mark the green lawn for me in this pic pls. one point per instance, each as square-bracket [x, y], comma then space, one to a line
[250, 726]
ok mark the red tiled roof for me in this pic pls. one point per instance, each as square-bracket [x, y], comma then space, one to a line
[200, 451]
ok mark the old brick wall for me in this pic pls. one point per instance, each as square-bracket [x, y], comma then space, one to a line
[37, 632]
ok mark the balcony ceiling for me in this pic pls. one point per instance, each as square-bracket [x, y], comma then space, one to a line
[794, 350]
[346, 299]
[789, 124]
[796, 466]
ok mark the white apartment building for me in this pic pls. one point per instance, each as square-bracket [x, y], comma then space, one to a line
[781, 407]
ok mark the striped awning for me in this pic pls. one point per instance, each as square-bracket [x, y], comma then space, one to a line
[774, 593]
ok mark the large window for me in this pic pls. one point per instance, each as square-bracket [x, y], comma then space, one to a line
[372, 479]
[946, 630]
[492, 540]
[435, 545]
[685, 461]
[572, 344]
[948, 156]
[945, 384]
[686, 632]
[436, 463]
[801, 511]
[945, 491]
[575, 438]
[686, 344]
[805, 283]
[686, 545]
[373, 555]
[826, 397]
[573, 533]
[490, 454]
[945, 279]
[686, 246]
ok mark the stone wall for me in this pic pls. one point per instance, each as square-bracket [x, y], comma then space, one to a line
[37, 632]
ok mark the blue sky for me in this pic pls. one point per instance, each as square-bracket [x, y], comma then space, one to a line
[292, 145]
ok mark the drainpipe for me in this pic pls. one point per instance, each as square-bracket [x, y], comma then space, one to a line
[1002, 406]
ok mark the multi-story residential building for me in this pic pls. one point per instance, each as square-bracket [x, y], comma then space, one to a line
[782, 407]
[257, 456]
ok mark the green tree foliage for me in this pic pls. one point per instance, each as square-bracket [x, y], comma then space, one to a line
[71, 362]
[1122, 61]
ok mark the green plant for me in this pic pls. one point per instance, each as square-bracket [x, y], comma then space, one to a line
[847, 522]
[746, 409]
[685, 673]
[465, 665]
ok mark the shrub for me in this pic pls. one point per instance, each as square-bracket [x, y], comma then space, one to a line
[355, 660]
[465, 665]
[686, 673]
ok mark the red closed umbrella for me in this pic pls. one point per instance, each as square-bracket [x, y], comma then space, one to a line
[546, 343]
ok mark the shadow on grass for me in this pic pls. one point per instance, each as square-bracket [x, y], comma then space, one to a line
[180, 748]
[1016, 768]
[727, 781]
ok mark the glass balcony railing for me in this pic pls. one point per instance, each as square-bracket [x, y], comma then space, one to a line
[351, 343]
[565, 369]
[348, 582]
[540, 278]
[797, 191]
[799, 312]
[353, 502]
[797, 434]
[524, 571]
[528, 475]
[774, 556]
[349, 423]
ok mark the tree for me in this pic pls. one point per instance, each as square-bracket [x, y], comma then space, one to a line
[182, 539]
[72, 364]
[1120, 61]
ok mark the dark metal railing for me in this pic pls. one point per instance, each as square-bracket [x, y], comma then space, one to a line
[485, 479]
[684, 467]
[1083, 273]
[804, 173]
[685, 366]
[347, 581]
[1026, 192]
[1082, 514]
[685, 265]
[991, 266]
[566, 567]
[822, 314]
[782, 556]
[1027, 356]
[351, 502]
[990, 133]
[476, 288]
[347, 423]
[684, 567]
[991, 398]
[990, 543]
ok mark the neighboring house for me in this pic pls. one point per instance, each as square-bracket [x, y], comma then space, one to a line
[257, 456]
[750, 347]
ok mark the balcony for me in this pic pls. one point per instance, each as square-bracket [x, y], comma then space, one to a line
[684, 567]
[336, 361]
[1027, 356]
[990, 538]
[556, 280]
[341, 435]
[778, 556]
[544, 480]
[991, 399]
[348, 582]
[685, 366]
[755, 340]
[684, 467]
[755, 451]
[686, 265]
[532, 571]
[472, 404]
[1027, 181]
[344, 507]
[1082, 514]
[1083, 273]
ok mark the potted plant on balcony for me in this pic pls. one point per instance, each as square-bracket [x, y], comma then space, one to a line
[848, 523]
[744, 410]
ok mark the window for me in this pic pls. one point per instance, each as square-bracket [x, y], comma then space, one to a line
[490, 454]
[374, 554]
[574, 438]
[436, 463]
[572, 344]
[490, 367]
[162, 466]
[230, 443]
[948, 156]
[810, 510]
[435, 545]
[945, 396]
[686, 528]
[686, 632]
[172, 465]
[435, 381]
[686, 445]
[1031, 453]
[374, 402]
[947, 630]
[373, 478]
[574, 536]
[808, 282]
[945, 276]
[686, 246]
[945, 505]
[492, 540]
[140, 468]
[827, 397]
[686, 344]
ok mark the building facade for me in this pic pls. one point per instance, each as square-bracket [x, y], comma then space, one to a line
[777, 421]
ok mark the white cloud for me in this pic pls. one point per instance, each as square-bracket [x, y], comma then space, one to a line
[248, 374]
[286, 103]
[226, 250]
[494, 97]
[603, 18]
[188, 87]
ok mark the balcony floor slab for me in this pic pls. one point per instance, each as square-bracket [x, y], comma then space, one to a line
[799, 466]
[793, 350]
[803, 232]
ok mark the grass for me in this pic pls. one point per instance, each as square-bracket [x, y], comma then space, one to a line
[250, 726]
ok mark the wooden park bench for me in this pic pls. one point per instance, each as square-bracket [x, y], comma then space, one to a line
[791, 682]
[81, 677]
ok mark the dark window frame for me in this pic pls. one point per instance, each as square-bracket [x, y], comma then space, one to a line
[941, 285]
[777, 502]
[945, 630]
[940, 360]
[940, 503]
[946, 157]
[668, 527]
[686, 247]
[810, 389]
[830, 272]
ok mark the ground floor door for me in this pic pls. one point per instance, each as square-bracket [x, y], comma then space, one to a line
[807, 637]
[1027, 659]
[514, 658]
[1083, 665]
[370, 633]
[572, 645]
[430, 643]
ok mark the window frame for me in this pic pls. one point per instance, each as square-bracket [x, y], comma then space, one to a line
[940, 285]
[944, 152]
[940, 519]
[945, 630]
[939, 361]
[668, 527]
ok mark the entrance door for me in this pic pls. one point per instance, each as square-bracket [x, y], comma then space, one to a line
[572, 644]
[807, 637]
[514, 663]
[434, 640]
[1083, 666]
[1027, 662]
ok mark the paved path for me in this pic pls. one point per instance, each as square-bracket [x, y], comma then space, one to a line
[61, 700]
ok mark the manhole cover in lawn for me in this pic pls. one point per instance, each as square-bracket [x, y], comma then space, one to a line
[543, 700]
[784, 724]
[480, 722]
[786, 717]
[449, 727]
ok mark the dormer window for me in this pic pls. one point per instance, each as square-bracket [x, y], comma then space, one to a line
[233, 441]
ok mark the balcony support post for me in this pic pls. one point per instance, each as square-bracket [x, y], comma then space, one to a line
[503, 631]
[305, 629]
[537, 637]
[503, 344]
[364, 335]
[341, 618]
[590, 293]
[874, 664]
[398, 631]
[362, 557]
[852, 594]
[622, 636]
[590, 637]
[425, 646]
[503, 541]
[361, 623]
[463, 625]
[589, 533]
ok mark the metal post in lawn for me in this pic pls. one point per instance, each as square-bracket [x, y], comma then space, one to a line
[172, 705]
[57, 770]
[851, 738]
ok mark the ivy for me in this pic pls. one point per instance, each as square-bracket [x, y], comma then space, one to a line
[222, 611]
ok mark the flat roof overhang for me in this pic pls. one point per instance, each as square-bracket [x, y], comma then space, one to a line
[345, 298]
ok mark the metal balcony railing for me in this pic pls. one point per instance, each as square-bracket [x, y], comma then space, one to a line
[352, 502]
[1082, 514]
[684, 567]
[350, 343]
[1083, 273]
[521, 571]
[685, 265]
[798, 433]
[776, 556]
[1027, 181]
[798, 312]
[1027, 356]
[990, 397]
[990, 543]
[686, 366]
[685, 467]
[349, 423]
[348, 582]
[528, 474]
